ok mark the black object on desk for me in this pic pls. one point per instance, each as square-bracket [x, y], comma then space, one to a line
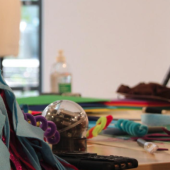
[152, 110]
[156, 110]
[92, 161]
[167, 77]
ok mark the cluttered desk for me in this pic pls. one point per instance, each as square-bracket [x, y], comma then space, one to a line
[56, 132]
[128, 130]
[67, 132]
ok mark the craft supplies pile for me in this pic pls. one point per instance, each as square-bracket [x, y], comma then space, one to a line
[22, 145]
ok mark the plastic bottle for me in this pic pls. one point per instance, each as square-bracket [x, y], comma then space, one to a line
[61, 78]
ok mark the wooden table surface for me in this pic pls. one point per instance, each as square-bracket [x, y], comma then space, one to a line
[158, 161]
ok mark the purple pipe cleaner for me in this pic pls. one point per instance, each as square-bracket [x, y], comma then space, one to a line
[49, 127]
[43, 121]
[50, 130]
[31, 118]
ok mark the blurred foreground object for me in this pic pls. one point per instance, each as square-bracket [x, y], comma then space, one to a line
[72, 123]
[22, 144]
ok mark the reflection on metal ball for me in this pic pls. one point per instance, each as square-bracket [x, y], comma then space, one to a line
[72, 123]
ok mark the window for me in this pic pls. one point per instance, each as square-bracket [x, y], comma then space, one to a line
[23, 73]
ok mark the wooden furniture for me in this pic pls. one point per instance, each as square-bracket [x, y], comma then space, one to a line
[158, 161]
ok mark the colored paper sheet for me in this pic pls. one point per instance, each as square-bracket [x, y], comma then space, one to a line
[137, 103]
[47, 99]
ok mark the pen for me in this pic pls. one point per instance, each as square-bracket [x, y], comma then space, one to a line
[148, 146]
[167, 77]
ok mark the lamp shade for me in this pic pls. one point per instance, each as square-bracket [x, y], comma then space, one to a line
[10, 15]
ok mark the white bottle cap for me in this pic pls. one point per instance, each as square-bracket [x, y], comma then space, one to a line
[61, 57]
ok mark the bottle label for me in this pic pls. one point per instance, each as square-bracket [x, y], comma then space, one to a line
[64, 87]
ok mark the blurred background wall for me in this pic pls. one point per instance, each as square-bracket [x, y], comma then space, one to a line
[107, 43]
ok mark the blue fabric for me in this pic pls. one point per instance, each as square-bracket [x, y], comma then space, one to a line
[23, 130]
[6, 126]
[4, 153]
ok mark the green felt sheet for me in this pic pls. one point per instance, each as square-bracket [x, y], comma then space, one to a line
[47, 99]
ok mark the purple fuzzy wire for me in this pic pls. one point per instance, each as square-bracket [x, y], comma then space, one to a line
[55, 139]
[44, 123]
[51, 133]
[31, 118]
[50, 130]
[25, 116]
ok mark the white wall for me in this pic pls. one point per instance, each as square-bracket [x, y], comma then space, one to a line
[108, 43]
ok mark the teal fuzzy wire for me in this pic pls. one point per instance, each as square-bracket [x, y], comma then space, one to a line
[132, 128]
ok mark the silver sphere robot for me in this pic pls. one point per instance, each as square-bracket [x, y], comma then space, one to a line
[72, 123]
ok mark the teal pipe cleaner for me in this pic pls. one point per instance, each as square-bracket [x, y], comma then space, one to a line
[132, 128]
